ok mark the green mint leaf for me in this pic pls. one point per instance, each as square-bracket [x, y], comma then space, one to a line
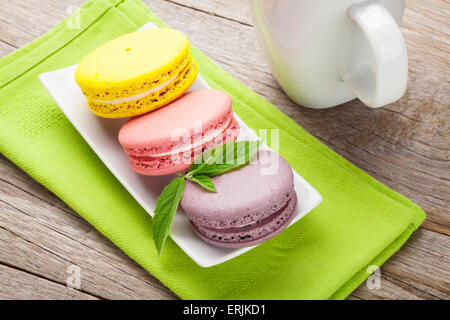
[204, 181]
[166, 207]
[224, 157]
[206, 157]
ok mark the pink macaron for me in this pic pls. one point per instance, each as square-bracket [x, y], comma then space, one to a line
[167, 140]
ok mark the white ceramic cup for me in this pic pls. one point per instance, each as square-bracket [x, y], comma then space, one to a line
[326, 52]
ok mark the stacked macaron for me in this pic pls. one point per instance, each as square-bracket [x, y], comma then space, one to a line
[167, 140]
[137, 73]
[252, 204]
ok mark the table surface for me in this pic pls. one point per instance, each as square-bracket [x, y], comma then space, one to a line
[404, 145]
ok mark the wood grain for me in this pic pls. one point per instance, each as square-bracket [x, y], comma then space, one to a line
[5, 49]
[16, 284]
[405, 145]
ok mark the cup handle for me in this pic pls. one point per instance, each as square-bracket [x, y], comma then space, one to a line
[385, 80]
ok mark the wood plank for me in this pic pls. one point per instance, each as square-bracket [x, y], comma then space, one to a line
[419, 270]
[389, 290]
[5, 48]
[22, 21]
[234, 10]
[16, 284]
[423, 263]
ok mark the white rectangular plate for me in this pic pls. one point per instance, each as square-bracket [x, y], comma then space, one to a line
[101, 134]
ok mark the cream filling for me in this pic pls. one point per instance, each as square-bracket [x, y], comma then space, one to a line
[140, 95]
[196, 144]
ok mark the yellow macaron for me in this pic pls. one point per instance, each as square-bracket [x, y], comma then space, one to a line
[137, 73]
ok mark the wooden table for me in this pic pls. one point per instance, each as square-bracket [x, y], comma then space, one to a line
[405, 145]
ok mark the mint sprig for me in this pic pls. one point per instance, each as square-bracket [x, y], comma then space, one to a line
[223, 158]
[166, 207]
[213, 162]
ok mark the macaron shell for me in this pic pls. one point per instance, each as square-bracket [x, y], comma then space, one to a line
[253, 234]
[151, 101]
[137, 73]
[176, 163]
[133, 58]
[174, 125]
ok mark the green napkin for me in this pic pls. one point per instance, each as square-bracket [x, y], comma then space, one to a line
[324, 256]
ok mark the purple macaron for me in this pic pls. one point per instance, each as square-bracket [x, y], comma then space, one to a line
[253, 203]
